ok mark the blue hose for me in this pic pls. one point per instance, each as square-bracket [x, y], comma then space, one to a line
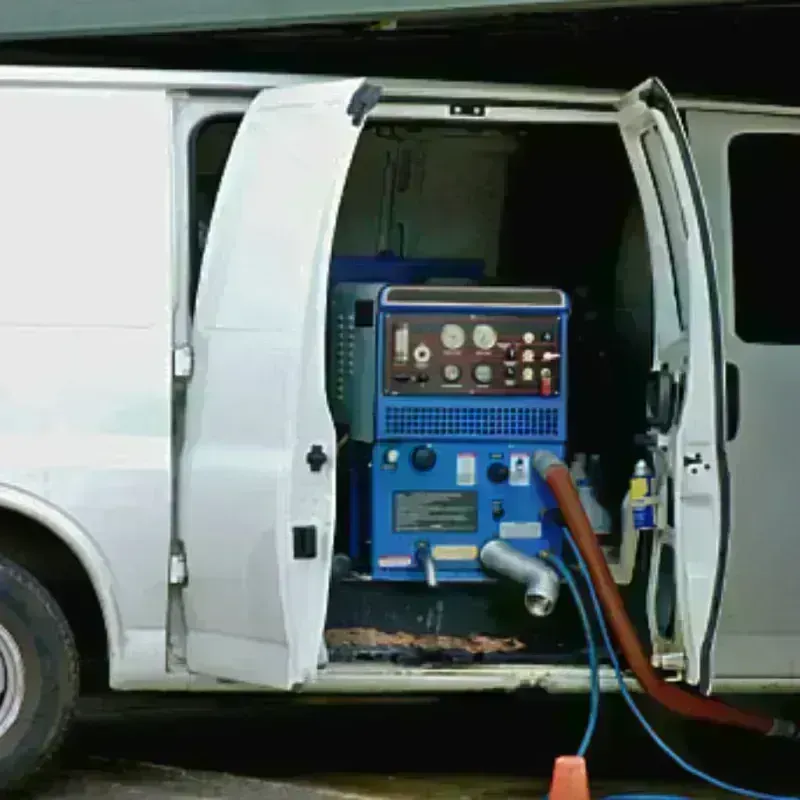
[595, 688]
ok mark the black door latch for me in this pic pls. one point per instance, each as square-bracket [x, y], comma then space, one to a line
[316, 458]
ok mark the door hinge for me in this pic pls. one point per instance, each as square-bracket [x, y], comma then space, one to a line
[670, 662]
[178, 571]
[182, 361]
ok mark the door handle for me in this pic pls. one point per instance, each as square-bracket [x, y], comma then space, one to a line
[732, 400]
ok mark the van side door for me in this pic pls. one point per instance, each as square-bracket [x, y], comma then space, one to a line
[257, 470]
[749, 164]
[687, 436]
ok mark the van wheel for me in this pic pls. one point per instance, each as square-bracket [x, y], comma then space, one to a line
[39, 670]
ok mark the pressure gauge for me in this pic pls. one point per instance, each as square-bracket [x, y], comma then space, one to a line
[451, 372]
[482, 373]
[453, 336]
[484, 337]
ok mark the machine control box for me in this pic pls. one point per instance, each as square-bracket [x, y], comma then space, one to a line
[447, 500]
[471, 382]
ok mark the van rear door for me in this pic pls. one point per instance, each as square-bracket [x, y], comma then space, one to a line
[257, 470]
[687, 398]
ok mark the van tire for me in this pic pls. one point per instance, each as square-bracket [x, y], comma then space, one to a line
[35, 633]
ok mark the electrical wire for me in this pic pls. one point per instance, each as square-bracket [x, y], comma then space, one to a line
[564, 571]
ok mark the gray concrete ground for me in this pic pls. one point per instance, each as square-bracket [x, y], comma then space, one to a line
[459, 750]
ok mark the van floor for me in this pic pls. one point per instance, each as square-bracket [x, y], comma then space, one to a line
[449, 625]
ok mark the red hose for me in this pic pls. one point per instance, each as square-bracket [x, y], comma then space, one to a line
[669, 695]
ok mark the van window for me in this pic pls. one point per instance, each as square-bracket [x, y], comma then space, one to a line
[209, 147]
[764, 176]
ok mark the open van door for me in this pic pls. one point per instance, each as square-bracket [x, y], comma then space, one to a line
[686, 405]
[257, 470]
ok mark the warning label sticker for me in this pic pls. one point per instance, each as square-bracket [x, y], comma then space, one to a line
[465, 469]
[520, 470]
[455, 552]
[394, 562]
[520, 530]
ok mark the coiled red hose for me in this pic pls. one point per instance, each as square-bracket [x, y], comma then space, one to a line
[555, 473]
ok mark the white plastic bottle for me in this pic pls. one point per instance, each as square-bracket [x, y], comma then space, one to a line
[598, 516]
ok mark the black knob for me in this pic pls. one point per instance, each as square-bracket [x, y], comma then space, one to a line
[316, 458]
[497, 472]
[423, 458]
[511, 353]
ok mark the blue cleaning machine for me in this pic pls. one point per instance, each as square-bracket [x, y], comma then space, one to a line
[468, 383]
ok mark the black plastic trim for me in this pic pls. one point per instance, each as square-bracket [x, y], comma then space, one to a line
[364, 99]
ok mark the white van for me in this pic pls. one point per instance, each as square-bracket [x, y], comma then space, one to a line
[163, 375]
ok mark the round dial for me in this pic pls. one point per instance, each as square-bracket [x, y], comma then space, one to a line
[482, 373]
[484, 337]
[453, 336]
[451, 372]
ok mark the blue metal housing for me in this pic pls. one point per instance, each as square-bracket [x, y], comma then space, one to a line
[452, 508]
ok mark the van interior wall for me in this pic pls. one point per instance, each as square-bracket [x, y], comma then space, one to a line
[544, 205]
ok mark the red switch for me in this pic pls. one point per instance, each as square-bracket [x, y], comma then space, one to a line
[546, 383]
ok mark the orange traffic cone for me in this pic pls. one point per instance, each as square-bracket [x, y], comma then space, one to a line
[570, 781]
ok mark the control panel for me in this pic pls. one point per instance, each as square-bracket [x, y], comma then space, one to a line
[446, 500]
[471, 354]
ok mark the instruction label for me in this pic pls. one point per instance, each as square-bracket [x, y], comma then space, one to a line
[519, 473]
[466, 471]
[420, 512]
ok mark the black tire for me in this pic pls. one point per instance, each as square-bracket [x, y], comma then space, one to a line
[32, 619]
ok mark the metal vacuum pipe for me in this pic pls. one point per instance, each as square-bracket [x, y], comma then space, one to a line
[557, 476]
[541, 582]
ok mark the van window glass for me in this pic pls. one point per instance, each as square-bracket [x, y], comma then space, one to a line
[674, 222]
[764, 176]
[208, 152]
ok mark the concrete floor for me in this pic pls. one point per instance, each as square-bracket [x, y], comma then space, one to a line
[462, 750]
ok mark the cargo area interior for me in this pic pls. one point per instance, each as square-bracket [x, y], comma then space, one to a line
[547, 205]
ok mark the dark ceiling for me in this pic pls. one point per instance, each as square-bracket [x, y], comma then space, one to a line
[742, 50]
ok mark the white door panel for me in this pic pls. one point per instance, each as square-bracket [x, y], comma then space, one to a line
[759, 628]
[689, 351]
[256, 514]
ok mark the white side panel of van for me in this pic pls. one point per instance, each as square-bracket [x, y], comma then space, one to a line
[694, 468]
[257, 476]
[85, 340]
[759, 629]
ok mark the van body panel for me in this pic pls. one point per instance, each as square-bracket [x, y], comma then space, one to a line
[85, 335]
[759, 628]
[255, 511]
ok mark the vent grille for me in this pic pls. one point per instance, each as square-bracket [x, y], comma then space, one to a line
[508, 422]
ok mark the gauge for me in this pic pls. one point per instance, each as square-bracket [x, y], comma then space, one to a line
[484, 337]
[451, 372]
[453, 336]
[482, 373]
